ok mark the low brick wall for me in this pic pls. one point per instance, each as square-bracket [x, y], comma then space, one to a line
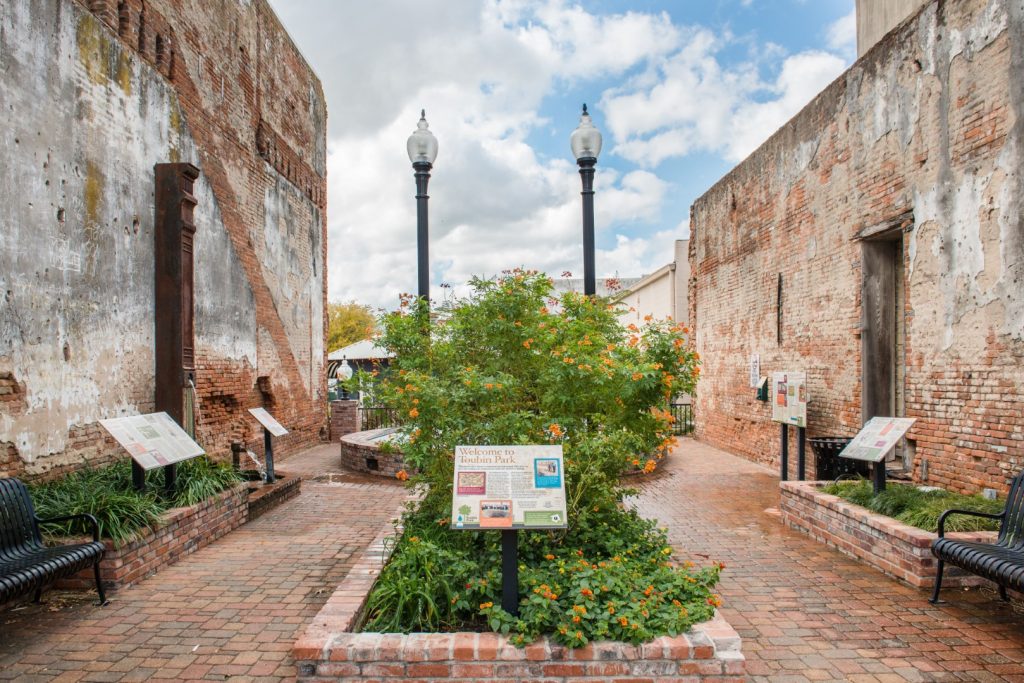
[897, 549]
[330, 650]
[265, 497]
[344, 418]
[358, 450]
[182, 531]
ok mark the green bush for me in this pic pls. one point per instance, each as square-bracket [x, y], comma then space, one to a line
[512, 365]
[107, 494]
[911, 505]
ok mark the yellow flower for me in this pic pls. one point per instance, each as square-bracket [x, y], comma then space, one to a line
[486, 605]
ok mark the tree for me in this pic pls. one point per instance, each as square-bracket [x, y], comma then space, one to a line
[348, 323]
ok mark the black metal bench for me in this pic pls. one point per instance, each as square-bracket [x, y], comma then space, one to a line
[1002, 561]
[26, 564]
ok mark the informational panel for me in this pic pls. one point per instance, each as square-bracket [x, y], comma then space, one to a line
[152, 440]
[789, 398]
[268, 421]
[508, 487]
[879, 436]
[754, 370]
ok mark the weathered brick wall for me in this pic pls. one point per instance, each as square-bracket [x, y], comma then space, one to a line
[98, 92]
[344, 418]
[922, 134]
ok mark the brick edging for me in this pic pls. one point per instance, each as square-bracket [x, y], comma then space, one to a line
[894, 548]
[329, 649]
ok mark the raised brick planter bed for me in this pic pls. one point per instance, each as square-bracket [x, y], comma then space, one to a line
[183, 531]
[265, 497]
[897, 549]
[361, 453]
[330, 650]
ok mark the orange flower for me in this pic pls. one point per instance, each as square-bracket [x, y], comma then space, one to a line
[637, 376]
[648, 318]
[555, 429]
[649, 466]
[488, 386]
[623, 621]
[486, 605]
[587, 593]
[527, 343]
[576, 620]
[414, 412]
[401, 475]
[549, 556]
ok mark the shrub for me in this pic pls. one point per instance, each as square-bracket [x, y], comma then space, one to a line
[107, 494]
[911, 505]
[511, 364]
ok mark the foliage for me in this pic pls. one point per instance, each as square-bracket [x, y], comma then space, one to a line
[107, 494]
[513, 365]
[915, 507]
[348, 323]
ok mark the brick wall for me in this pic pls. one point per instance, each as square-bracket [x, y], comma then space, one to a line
[358, 452]
[182, 531]
[344, 418]
[919, 139]
[892, 547]
[141, 82]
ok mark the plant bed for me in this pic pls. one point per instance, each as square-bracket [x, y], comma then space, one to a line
[892, 547]
[369, 452]
[331, 648]
[180, 531]
[265, 497]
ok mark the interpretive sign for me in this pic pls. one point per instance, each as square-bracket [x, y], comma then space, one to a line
[789, 398]
[268, 421]
[153, 440]
[508, 487]
[879, 436]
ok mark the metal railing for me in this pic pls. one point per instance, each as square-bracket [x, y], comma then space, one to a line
[683, 414]
[377, 417]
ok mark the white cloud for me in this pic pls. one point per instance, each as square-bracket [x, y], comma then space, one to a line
[482, 70]
[841, 35]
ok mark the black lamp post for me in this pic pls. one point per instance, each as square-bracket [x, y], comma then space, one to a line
[586, 145]
[422, 148]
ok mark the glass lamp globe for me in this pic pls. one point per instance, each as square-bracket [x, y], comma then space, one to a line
[586, 139]
[344, 371]
[422, 145]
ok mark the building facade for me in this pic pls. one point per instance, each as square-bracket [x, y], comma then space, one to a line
[96, 94]
[876, 243]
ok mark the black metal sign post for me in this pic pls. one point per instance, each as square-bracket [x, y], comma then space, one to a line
[784, 431]
[801, 452]
[268, 453]
[510, 571]
[878, 477]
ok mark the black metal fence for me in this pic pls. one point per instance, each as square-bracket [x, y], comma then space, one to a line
[683, 414]
[377, 417]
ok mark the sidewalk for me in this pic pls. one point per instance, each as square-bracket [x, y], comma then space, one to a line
[807, 612]
[229, 610]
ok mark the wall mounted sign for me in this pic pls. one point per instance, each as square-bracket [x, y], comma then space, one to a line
[153, 440]
[755, 370]
[508, 487]
[268, 421]
[789, 398]
[875, 439]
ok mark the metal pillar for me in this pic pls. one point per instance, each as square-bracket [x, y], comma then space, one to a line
[510, 571]
[784, 465]
[422, 169]
[587, 174]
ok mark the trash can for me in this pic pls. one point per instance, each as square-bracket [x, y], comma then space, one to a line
[827, 463]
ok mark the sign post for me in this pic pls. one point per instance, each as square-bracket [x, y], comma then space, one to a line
[270, 427]
[789, 407]
[509, 488]
[153, 440]
[874, 441]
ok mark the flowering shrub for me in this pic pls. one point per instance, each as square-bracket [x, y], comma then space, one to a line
[513, 365]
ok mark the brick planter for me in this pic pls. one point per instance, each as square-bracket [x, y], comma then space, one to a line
[331, 650]
[360, 453]
[896, 549]
[265, 497]
[182, 531]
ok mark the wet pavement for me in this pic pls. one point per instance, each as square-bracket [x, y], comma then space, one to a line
[809, 613]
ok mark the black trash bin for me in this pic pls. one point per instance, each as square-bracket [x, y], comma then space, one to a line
[827, 463]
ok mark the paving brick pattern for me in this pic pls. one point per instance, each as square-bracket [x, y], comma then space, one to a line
[230, 611]
[805, 611]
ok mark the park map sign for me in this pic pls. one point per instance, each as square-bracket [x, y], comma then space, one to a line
[508, 487]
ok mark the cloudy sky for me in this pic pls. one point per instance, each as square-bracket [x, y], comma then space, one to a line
[681, 89]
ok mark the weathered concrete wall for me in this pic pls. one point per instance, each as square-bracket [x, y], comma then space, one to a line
[875, 18]
[94, 94]
[921, 136]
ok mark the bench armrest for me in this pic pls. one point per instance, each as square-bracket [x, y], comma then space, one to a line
[973, 513]
[86, 516]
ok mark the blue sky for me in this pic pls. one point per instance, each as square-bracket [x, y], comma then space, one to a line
[681, 91]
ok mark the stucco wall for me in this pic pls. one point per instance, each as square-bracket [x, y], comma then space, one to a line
[923, 136]
[91, 101]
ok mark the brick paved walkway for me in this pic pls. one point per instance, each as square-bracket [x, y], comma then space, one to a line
[809, 613]
[229, 610]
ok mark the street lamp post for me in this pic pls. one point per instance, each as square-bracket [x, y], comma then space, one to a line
[586, 145]
[344, 374]
[422, 148]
